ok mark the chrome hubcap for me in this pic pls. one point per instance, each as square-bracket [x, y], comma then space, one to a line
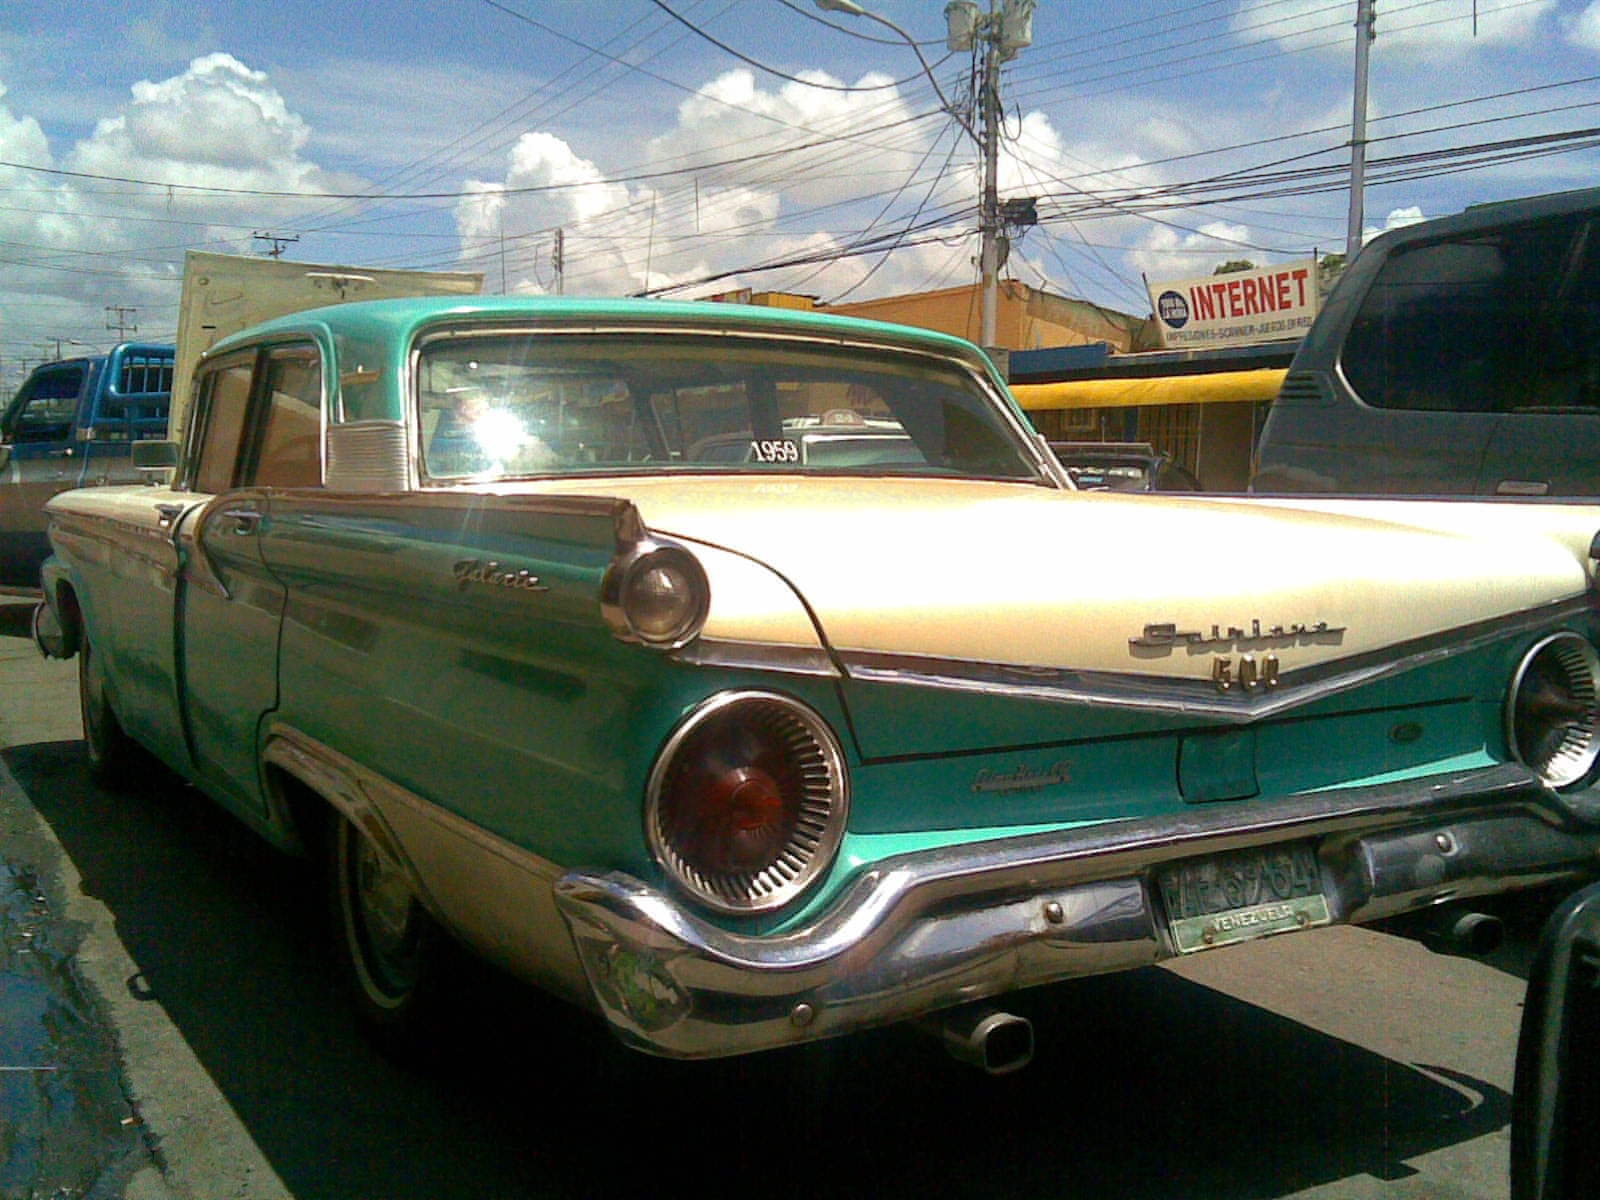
[384, 899]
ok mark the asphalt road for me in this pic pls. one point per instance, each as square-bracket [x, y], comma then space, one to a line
[1336, 1063]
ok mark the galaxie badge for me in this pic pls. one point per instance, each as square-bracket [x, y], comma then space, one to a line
[476, 570]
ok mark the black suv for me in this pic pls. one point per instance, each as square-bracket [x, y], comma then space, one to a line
[1456, 356]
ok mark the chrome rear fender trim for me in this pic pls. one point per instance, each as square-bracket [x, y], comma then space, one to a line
[1199, 696]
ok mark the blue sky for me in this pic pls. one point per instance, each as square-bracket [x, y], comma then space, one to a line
[1158, 138]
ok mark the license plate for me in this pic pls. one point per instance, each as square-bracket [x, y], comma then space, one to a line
[1243, 894]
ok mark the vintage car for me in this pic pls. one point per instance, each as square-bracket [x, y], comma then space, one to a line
[746, 753]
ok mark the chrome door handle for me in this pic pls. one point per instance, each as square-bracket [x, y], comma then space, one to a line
[245, 520]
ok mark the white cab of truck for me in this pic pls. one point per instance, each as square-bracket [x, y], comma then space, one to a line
[224, 293]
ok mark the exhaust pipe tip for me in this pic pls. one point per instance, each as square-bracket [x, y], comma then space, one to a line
[1470, 934]
[995, 1042]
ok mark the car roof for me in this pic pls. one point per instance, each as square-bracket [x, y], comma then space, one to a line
[390, 320]
[1494, 215]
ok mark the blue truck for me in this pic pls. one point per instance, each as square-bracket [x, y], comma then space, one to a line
[72, 424]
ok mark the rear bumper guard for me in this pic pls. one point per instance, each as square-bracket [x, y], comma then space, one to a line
[924, 931]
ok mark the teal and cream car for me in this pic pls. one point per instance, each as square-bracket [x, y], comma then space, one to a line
[745, 750]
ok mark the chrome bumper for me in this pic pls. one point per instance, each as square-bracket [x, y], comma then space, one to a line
[925, 931]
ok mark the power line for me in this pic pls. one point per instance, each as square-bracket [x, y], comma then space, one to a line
[771, 70]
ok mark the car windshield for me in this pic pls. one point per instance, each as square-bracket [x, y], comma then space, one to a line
[498, 404]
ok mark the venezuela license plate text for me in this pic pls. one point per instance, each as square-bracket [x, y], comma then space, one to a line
[1243, 894]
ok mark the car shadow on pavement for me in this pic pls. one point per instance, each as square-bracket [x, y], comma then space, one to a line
[1145, 1085]
[16, 616]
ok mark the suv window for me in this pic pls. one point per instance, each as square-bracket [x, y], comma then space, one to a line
[1501, 321]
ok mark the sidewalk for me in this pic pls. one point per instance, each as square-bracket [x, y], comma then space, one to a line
[38, 696]
[187, 1143]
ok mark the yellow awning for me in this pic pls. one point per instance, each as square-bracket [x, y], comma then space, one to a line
[1218, 387]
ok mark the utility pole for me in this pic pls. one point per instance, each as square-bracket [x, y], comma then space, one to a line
[989, 213]
[1003, 31]
[278, 240]
[119, 318]
[1365, 33]
[558, 260]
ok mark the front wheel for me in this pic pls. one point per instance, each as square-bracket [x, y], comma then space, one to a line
[112, 754]
[393, 956]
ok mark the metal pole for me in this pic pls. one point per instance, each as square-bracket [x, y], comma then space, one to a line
[1358, 129]
[989, 215]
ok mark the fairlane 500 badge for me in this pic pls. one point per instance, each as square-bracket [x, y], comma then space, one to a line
[1167, 635]
[476, 570]
[1023, 779]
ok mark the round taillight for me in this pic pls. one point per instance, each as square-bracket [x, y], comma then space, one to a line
[657, 595]
[747, 803]
[1553, 709]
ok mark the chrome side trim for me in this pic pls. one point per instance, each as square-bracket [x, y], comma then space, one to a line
[495, 896]
[787, 660]
[925, 931]
[1196, 695]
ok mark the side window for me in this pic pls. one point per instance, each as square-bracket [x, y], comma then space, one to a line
[290, 451]
[47, 415]
[224, 393]
[1471, 325]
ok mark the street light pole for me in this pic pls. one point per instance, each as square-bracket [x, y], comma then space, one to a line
[1005, 29]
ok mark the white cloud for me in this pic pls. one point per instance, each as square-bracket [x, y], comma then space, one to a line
[660, 229]
[1401, 217]
[1166, 253]
[219, 123]
[1584, 30]
[1424, 31]
[81, 244]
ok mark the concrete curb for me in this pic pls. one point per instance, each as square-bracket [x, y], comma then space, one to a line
[198, 1148]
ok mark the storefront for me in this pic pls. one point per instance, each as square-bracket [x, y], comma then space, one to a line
[1203, 408]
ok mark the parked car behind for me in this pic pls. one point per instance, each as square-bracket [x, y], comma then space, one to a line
[71, 424]
[1122, 467]
[746, 753]
[1454, 357]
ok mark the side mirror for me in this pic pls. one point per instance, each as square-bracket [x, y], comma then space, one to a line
[1555, 1109]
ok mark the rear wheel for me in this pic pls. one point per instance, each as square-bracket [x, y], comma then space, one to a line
[113, 756]
[395, 959]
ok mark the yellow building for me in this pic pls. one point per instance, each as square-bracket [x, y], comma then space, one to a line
[1025, 318]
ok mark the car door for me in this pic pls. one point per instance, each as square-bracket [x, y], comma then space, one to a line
[40, 428]
[1547, 438]
[259, 427]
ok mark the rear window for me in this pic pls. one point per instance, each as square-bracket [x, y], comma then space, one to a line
[499, 404]
[1501, 321]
